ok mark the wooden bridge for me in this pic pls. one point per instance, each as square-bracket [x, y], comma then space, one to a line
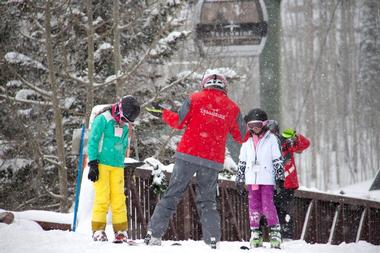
[318, 217]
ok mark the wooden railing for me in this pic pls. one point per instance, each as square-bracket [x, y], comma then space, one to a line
[318, 217]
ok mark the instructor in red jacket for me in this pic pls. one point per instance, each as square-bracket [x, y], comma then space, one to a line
[208, 117]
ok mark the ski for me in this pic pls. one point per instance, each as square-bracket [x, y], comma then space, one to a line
[129, 242]
[265, 245]
[134, 243]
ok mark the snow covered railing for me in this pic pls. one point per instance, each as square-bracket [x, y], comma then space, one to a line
[330, 218]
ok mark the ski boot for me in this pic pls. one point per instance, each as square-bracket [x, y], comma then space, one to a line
[213, 243]
[275, 237]
[120, 237]
[152, 241]
[99, 236]
[256, 238]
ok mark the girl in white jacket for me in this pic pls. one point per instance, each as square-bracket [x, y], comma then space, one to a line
[261, 169]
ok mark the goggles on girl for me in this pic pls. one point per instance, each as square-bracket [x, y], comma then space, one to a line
[122, 118]
[256, 124]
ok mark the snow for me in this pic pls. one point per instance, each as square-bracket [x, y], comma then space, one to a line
[25, 235]
[14, 83]
[169, 39]
[17, 58]
[24, 94]
[99, 51]
[14, 164]
[360, 190]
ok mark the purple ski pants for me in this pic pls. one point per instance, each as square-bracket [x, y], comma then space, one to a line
[260, 203]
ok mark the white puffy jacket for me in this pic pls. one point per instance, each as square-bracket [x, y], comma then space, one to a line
[267, 155]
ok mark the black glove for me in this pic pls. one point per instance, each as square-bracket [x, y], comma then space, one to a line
[155, 109]
[93, 173]
[279, 185]
[240, 187]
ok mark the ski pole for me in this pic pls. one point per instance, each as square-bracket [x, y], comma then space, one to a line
[79, 177]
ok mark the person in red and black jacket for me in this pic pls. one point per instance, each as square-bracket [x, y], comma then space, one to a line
[291, 142]
[208, 117]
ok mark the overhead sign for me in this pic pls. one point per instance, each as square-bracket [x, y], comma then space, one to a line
[232, 27]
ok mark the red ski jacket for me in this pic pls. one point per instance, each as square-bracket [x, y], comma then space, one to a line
[208, 117]
[300, 144]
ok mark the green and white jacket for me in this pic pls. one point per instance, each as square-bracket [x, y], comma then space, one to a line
[108, 141]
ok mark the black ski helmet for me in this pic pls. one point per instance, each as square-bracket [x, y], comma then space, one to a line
[130, 108]
[256, 114]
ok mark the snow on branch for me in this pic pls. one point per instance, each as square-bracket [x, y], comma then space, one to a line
[182, 76]
[23, 60]
[32, 86]
[164, 44]
[99, 51]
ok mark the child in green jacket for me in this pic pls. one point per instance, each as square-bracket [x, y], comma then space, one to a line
[107, 145]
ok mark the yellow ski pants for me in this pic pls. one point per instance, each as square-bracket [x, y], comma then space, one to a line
[109, 192]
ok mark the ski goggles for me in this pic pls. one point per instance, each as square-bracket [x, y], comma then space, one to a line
[122, 117]
[256, 124]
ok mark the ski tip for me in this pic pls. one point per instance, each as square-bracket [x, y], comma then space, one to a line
[244, 248]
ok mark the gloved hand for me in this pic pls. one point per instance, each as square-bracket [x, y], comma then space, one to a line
[279, 185]
[291, 141]
[93, 173]
[155, 109]
[240, 187]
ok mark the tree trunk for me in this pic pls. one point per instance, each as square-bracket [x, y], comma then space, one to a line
[116, 47]
[369, 69]
[62, 172]
[90, 62]
[270, 63]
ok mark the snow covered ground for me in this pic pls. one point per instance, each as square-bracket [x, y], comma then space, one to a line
[26, 236]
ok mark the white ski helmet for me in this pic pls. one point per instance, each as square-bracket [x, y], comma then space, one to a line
[215, 79]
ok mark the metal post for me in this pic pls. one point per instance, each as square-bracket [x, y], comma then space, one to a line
[360, 228]
[307, 218]
[79, 177]
[333, 225]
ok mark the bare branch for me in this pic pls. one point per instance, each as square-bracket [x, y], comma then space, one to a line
[67, 74]
[30, 201]
[32, 86]
[51, 161]
[52, 194]
[43, 103]
[37, 7]
[30, 37]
